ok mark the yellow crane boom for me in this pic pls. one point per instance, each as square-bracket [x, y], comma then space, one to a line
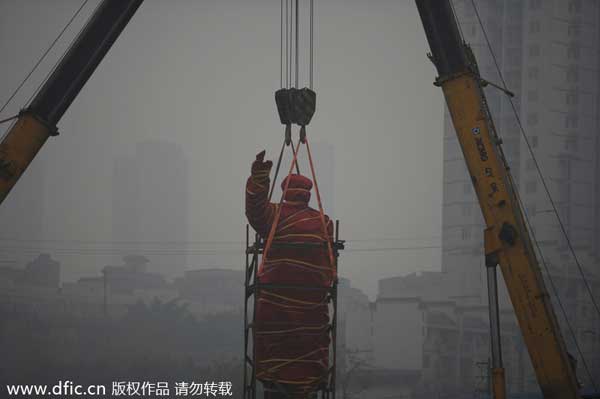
[507, 241]
[38, 121]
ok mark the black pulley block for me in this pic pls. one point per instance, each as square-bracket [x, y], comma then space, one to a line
[295, 105]
[284, 106]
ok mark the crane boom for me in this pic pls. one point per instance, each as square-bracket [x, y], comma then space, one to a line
[507, 241]
[38, 121]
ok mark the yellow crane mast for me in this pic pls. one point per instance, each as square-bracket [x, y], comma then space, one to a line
[507, 241]
[36, 123]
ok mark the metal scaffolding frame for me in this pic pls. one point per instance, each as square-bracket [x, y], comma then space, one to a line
[252, 286]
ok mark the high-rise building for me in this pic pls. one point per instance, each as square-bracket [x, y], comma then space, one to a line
[150, 205]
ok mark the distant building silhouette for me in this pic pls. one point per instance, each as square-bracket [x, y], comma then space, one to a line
[150, 204]
[43, 271]
[131, 276]
[21, 215]
[212, 290]
[323, 154]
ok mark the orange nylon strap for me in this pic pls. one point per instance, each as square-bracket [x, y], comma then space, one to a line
[321, 213]
[319, 202]
[278, 212]
[279, 164]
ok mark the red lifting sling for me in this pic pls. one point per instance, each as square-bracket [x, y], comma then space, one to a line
[291, 335]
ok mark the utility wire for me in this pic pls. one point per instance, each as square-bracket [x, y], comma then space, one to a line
[297, 43]
[537, 166]
[288, 38]
[311, 43]
[185, 242]
[389, 249]
[55, 64]
[64, 54]
[9, 119]
[286, 45]
[281, 47]
[44, 55]
[205, 251]
[119, 241]
[457, 20]
[522, 130]
[554, 288]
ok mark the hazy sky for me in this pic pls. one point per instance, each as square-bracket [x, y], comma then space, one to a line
[202, 74]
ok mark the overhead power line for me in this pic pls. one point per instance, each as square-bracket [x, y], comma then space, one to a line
[180, 251]
[187, 242]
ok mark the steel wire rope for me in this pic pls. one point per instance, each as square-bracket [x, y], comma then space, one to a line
[35, 67]
[39, 61]
[281, 46]
[297, 42]
[543, 180]
[311, 44]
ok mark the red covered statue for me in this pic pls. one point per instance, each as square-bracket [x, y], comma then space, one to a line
[291, 334]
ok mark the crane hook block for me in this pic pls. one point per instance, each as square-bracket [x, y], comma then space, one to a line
[295, 105]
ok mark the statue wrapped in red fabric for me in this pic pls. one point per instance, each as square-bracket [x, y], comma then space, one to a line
[291, 334]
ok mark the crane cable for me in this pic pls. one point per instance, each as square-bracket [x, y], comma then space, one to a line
[289, 63]
[286, 60]
[273, 228]
[312, 39]
[53, 67]
[279, 165]
[543, 180]
[39, 61]
[292, 47]
[538, 169]
[297, 43]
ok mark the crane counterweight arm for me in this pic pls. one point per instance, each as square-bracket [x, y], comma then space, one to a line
[38, 121]
[508, 242]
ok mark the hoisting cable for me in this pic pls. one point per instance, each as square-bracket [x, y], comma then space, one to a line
[279, 165]
[297, 42]
[58, 61]
[560, 304]
[281, 47]
[321, 212]
[39, 61]
[310, 84]
[9, 119]
[530, 150]
[538, 168]
[460, 32]
[288, 52]
[296, 105]
[289, 38]
[54, 66]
